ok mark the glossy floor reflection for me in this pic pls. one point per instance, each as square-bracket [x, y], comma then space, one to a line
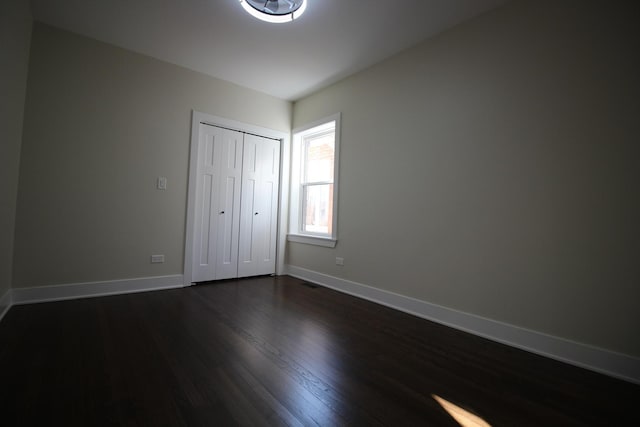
[462, 416]
[272, 351]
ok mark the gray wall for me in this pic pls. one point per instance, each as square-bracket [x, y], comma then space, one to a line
[15, 34]
[494, 170]
[101, 124]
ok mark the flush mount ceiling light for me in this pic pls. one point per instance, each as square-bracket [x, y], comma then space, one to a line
[278, 11]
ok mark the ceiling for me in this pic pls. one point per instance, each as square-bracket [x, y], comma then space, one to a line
[333, 39]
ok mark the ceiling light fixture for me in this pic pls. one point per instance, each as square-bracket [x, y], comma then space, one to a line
[277, 11]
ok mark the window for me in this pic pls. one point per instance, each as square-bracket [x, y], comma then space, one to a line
[314, 176]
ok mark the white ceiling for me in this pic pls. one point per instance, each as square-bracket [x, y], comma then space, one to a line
[333, 39]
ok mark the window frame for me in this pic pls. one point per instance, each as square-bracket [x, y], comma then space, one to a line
[298, 164]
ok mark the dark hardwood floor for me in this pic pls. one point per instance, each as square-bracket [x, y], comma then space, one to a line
[273, 351]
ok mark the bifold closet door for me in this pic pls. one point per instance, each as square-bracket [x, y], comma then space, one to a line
[218, 186]
[259, 206]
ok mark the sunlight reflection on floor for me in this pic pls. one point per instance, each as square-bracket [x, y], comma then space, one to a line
[462, 416]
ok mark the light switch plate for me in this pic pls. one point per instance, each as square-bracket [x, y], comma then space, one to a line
[162, 183]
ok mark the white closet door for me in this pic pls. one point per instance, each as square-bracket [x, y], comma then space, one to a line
[218, 184]
[229, 213]
[259, 210]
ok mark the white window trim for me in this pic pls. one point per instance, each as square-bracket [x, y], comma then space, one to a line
[295, 224]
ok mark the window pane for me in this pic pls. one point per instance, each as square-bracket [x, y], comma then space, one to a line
[317, 208]
[319, 158]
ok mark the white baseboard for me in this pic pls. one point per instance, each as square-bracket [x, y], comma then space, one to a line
[593, 358]
[5, 303]
[94, 289]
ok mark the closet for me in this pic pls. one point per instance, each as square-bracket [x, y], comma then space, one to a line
[236, 204]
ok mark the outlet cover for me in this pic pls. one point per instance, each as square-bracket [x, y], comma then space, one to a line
[339, 260]
[157, 259]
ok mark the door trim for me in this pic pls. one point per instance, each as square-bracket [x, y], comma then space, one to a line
[283, 198]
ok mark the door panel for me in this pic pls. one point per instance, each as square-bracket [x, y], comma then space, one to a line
[217, 205]
[205, 231]
[249, 209]
[229, 214]
[259, 206]
[270, 177]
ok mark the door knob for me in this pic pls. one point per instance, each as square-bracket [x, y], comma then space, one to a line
[256, 213]
[221, 212]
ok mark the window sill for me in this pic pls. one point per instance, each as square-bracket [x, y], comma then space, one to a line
[327, 242]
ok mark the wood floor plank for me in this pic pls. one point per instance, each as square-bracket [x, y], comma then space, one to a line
[276, 352]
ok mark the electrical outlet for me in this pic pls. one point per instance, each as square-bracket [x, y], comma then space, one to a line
[157, 259]
[339, 260]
